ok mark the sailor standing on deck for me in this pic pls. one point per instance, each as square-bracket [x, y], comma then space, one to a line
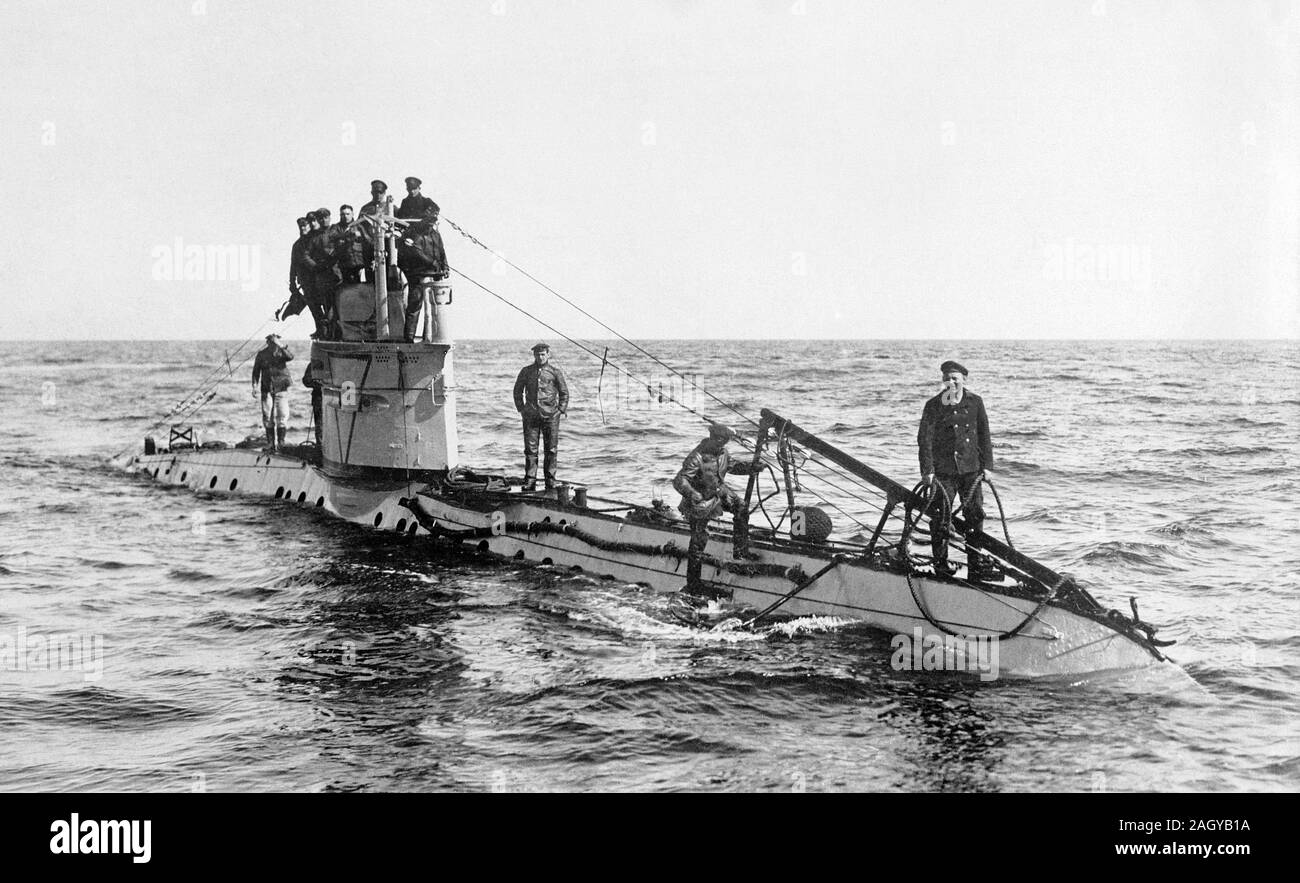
[541, 397]
[956, 451]
[705, 494]
[271, 381]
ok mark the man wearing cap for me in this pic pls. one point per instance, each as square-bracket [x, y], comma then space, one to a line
[297, 274]
[415, 206]
[541, 397]
[956, 451]
[705, 495]
[378, 196]
[271, 382]
[322, 270]
[420, 254]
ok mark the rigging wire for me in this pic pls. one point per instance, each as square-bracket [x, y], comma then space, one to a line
[637, 346]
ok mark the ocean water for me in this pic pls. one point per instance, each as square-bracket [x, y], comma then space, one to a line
[239, 644]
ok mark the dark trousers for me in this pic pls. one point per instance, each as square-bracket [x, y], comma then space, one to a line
[353, 274]
[695, 551]
[547, 431]
[411, 330]
[316, 402]
[966, 488]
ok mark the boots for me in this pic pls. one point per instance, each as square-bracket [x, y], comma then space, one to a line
[279, 434]
[270, 438]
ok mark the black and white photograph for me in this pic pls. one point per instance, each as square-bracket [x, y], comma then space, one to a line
[648, 397]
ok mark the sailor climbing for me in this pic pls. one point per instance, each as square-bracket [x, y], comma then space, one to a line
[956, 451]
[541, 398]
[271, 383]
[705, 494]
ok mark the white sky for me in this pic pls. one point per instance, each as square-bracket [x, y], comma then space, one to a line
[754, 168]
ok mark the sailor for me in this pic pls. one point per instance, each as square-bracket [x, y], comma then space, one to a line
[271, 382]
[349, 246]
[311, 378]
[542, 398]
[705, 494]
[322, 269]
[415, 205]
[297, 278]
[419, 254]
[956, 451]
[378, 196]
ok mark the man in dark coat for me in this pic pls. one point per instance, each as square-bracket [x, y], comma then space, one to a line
[419, 254]
[297, 278]
[349, 246]
[705, 495]
[541, 397]
[322, 268]
[956, 451]
[271, 383]
[415, 205]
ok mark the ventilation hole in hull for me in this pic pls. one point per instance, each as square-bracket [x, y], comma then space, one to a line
[608, 576]
[564, 521]
[577, 568]
[213, 483]
[234, 483]
[413, 528]
[519, 555]
[320, 501]
[547, 561]
[546, 520]
[379, 518]
[302, 497]
[279, 492]
[483, 546]
[401, 525]
[155, 472]
[184, 475]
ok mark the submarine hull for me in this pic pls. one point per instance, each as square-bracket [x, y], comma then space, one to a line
[1036, 638]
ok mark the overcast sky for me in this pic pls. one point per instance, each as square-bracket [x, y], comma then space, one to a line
[754, 168]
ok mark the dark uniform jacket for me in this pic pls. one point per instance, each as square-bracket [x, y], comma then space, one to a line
[704, 473]
[420, 252]
[954, 439]
[271, 369]
[319, 256]
[414, 206]
[374, 207]
[541, 391]
[297, 268]
[349, 246]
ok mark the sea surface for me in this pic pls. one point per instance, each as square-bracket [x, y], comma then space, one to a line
[237, 644]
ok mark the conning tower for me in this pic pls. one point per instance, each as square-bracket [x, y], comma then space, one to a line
[387, 405]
